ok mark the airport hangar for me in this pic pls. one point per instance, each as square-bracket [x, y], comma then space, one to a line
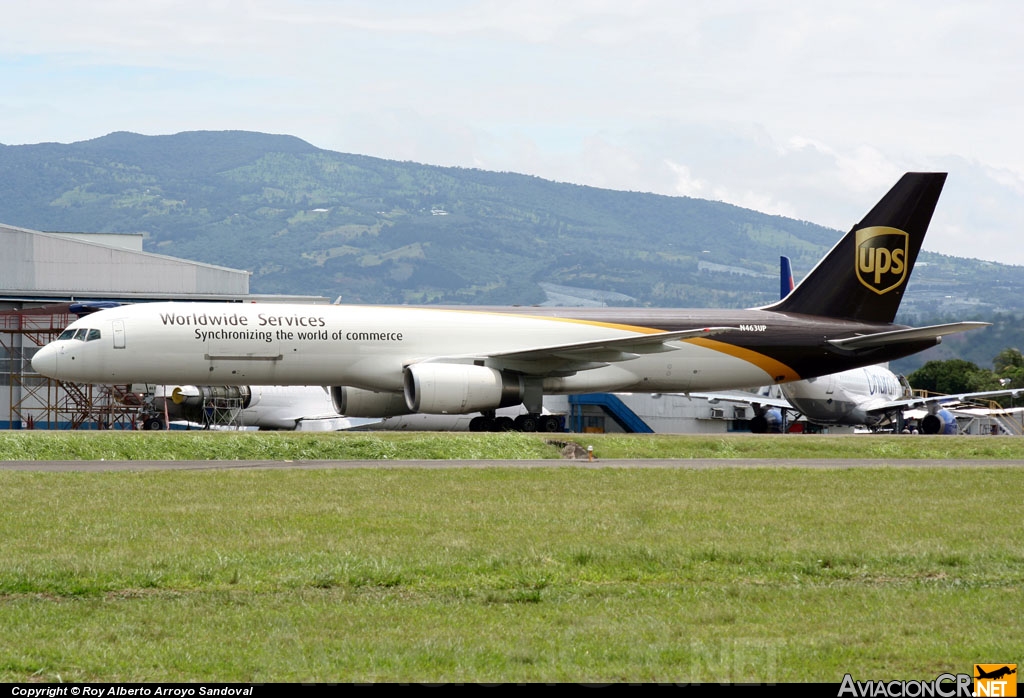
[44, 273]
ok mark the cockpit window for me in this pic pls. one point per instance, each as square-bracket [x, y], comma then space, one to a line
[82, 334]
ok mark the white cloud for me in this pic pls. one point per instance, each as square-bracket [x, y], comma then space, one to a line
[809, 109]
[686, 184]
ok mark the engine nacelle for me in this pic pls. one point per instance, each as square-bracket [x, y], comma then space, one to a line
[208, 403]
[436, 388]
[356, 402]
[768, 422]
[941, 422]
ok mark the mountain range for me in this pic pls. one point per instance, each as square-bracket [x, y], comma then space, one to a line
[309, 221]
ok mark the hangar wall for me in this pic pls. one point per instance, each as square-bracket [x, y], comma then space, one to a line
[48, 265]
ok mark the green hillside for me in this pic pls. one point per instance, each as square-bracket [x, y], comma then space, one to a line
[311, 221]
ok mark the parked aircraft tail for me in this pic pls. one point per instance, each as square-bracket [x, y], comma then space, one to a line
[786, 284]
[865, 275]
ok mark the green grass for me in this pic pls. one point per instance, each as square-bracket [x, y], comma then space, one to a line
[242, 445]
[500, 575]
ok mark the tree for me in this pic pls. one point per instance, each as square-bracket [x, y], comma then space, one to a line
[1008, 359]
[1009, 368]
[953, 376]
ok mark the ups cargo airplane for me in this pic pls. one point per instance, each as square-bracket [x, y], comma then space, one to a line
[385, 361]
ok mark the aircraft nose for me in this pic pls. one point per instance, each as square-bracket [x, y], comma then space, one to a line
[45, 361]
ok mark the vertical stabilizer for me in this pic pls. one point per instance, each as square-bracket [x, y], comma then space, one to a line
[865, 275]
[785, 276]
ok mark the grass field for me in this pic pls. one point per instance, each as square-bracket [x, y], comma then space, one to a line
[240, 445]
[502, 575]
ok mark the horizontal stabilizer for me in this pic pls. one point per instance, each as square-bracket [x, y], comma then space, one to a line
[912, 334]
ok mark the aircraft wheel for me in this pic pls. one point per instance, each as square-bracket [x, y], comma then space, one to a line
[504, 424]
[550, 424]
[758, 425]
[526, 422]
[478, 424]
[153, 424]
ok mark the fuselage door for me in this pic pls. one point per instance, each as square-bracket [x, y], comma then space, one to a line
[118, 334]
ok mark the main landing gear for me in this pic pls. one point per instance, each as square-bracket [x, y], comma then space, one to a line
[153, 424]
[525, 422]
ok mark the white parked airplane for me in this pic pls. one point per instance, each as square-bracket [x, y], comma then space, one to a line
[387, 361]
[872, 396]
[294, 408]
[271, 407]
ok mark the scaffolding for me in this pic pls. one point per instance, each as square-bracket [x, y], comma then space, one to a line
[225, 413]
[38, 402]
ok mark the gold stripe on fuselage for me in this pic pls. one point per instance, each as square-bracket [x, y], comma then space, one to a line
[780, 372]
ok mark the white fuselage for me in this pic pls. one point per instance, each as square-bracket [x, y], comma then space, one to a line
[846, 397]
[305, 407]
[361, 346]
[291, 407]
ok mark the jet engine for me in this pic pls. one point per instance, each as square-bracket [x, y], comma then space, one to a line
[940, 422]
[767, 422]
[209, 404]
[437, 388]
[356, 402]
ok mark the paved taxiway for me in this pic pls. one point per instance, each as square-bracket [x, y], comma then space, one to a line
[691, 463]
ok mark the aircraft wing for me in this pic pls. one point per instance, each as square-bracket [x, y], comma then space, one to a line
[941, 400]
[911, 334]
[744, 398]
[580, 356]
[333, 423]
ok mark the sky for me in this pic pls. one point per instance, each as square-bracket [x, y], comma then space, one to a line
[809, 109]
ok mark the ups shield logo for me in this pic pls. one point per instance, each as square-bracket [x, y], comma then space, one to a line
[881, 258]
